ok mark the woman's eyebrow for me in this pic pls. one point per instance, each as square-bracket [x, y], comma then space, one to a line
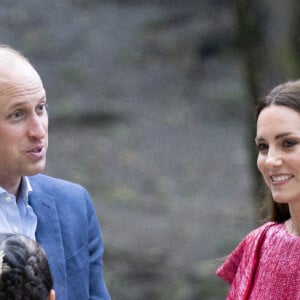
[281, 135]
[277, 137]
[259, 139]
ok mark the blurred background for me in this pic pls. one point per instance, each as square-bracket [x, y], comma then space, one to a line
[151, 108]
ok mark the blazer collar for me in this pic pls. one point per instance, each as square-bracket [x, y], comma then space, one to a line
[49, 235]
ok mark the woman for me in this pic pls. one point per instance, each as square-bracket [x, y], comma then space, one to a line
[24, 269]
[265, 265]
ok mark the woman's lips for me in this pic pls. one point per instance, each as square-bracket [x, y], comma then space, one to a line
[280, 178]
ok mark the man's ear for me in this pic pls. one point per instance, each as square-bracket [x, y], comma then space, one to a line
[51, 295]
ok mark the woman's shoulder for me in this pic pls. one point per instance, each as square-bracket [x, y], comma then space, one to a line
[244, 253]
[262, 229]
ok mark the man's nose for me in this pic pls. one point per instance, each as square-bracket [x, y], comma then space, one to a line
[38, 125]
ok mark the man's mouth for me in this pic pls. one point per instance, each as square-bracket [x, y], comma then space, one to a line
[38, 150]
[35, 150]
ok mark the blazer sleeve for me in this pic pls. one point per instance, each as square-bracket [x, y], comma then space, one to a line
[97, 288]
[69, 231]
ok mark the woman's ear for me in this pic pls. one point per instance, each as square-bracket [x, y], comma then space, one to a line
[51, 295]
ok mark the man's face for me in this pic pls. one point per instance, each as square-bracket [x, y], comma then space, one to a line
[23, 121]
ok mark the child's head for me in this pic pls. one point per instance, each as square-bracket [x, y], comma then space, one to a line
[24, 269]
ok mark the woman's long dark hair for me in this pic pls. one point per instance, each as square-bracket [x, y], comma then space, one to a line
[288, 95]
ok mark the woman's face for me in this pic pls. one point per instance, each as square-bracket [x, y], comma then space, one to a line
[278, 143]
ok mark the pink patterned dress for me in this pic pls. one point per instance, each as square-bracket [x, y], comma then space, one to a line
[264, 266]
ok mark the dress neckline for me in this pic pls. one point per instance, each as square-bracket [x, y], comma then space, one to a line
[286, 231]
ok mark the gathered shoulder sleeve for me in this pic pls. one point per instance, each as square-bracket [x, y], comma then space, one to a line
[242, 261]
[229, 268]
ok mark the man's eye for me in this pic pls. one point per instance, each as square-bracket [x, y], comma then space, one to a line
[16, 115]
[41, 107]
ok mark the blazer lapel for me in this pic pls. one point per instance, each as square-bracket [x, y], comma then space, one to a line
[49, 235]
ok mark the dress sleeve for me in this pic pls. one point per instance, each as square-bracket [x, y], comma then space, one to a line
[243, 260]
[229, 268]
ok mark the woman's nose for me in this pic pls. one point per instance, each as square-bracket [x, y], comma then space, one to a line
[273, 159]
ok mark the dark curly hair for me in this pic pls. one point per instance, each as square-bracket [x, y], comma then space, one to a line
[286, 94]
[24, 269]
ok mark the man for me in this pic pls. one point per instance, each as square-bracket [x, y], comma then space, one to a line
[60, 215]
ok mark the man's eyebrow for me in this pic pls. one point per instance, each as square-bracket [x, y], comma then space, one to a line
[20, 103]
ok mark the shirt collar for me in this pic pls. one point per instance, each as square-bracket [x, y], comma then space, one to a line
[2, 190]
[25, 189]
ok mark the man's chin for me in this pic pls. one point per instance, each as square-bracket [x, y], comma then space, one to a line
[35, 170]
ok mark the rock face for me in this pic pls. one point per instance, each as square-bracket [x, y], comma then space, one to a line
[146, 104]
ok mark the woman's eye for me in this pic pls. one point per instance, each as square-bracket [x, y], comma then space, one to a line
[289, 143]
[262, 147]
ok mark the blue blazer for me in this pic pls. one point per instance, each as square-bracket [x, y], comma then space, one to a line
[69, 231]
